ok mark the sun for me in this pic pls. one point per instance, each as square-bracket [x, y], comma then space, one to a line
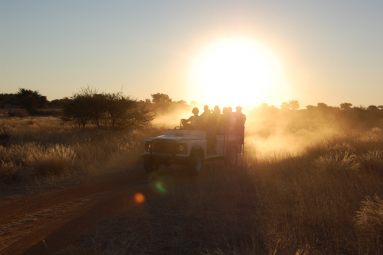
[234, 71]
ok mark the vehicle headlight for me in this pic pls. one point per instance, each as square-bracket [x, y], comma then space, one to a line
[148, 145]
[182, 148]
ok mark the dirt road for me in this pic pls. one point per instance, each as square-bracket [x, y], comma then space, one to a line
[48, 222]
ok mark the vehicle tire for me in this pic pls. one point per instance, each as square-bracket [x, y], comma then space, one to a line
[150, 166]
[195, 163]
[231, 158]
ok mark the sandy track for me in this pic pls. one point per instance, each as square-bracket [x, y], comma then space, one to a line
[18, 208]
[48, 222]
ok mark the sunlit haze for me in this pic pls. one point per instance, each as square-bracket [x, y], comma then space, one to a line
[236, 71]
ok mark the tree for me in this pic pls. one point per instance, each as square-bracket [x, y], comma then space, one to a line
[310, 107]
[161, 99]
[372, 108]
[55, 104]
[120, 110]
[345, 106]
[161, 102]
[285, 106]
[263, 106]
[31, 100]
[180, 103]
[294, 104]
[273, 107]
[114, 110]
[322, 106]
[79, 107]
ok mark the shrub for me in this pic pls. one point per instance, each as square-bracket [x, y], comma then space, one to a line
[17, 113]
[338, 158]
[114, 110]
[56, 160]
[337, 162]
[372, 161]
[5, 134]
[51, 166]
[369, 222]
[31, 100]
[10, 173]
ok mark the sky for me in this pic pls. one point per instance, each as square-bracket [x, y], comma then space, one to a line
[327, 51]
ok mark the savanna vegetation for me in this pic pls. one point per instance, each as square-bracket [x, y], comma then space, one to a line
[310, 181]
[38, 149]
[326, 199]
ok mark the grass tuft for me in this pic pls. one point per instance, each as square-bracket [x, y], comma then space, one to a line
[10, 173]
[372, 161]
[369, 223]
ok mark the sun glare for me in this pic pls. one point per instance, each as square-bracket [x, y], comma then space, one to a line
[235, 71]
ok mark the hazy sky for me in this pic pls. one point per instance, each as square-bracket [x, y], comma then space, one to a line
[330, 51]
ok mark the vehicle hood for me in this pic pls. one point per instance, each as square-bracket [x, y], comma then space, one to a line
[177, 135]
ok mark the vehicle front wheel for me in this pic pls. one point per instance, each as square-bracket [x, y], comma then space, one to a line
[231, 156]
[150, 166]
[195, 163]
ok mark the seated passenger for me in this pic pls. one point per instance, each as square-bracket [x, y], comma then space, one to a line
[206, 114]
[214, 116]
[204, 117]
[214, 119]
[231, 120]
[194, 121]
[239, 126]
[222, 121]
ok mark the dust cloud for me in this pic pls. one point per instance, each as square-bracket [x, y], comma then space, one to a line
[171, 119]
[273, 132]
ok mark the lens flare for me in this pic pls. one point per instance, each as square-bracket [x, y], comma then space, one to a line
[160, 188]
[139, 198]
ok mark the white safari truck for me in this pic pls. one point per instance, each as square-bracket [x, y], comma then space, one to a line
[190, 148]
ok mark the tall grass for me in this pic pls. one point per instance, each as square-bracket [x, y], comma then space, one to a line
[43, 146]
[322, 197]
[327, 199]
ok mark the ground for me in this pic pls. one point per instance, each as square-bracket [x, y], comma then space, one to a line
[48, 222]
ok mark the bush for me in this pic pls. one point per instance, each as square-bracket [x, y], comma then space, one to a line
[51, 166]
[55, 161]
[338, 158]
[31, 100]
[369, 222]
[372, 161]
[114, 110]
[10, 173]
[17, 113]
[5, 134]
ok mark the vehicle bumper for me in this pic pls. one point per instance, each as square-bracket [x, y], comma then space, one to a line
[165, 159]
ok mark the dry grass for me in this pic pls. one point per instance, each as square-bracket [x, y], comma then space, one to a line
[326, 200]
[44, 147]
[369, 224]
[321, 198]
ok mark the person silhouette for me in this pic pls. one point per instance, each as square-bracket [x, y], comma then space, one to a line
[239, 125]
[193, 121]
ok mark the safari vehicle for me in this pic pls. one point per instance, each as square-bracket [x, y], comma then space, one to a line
[190, 148]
